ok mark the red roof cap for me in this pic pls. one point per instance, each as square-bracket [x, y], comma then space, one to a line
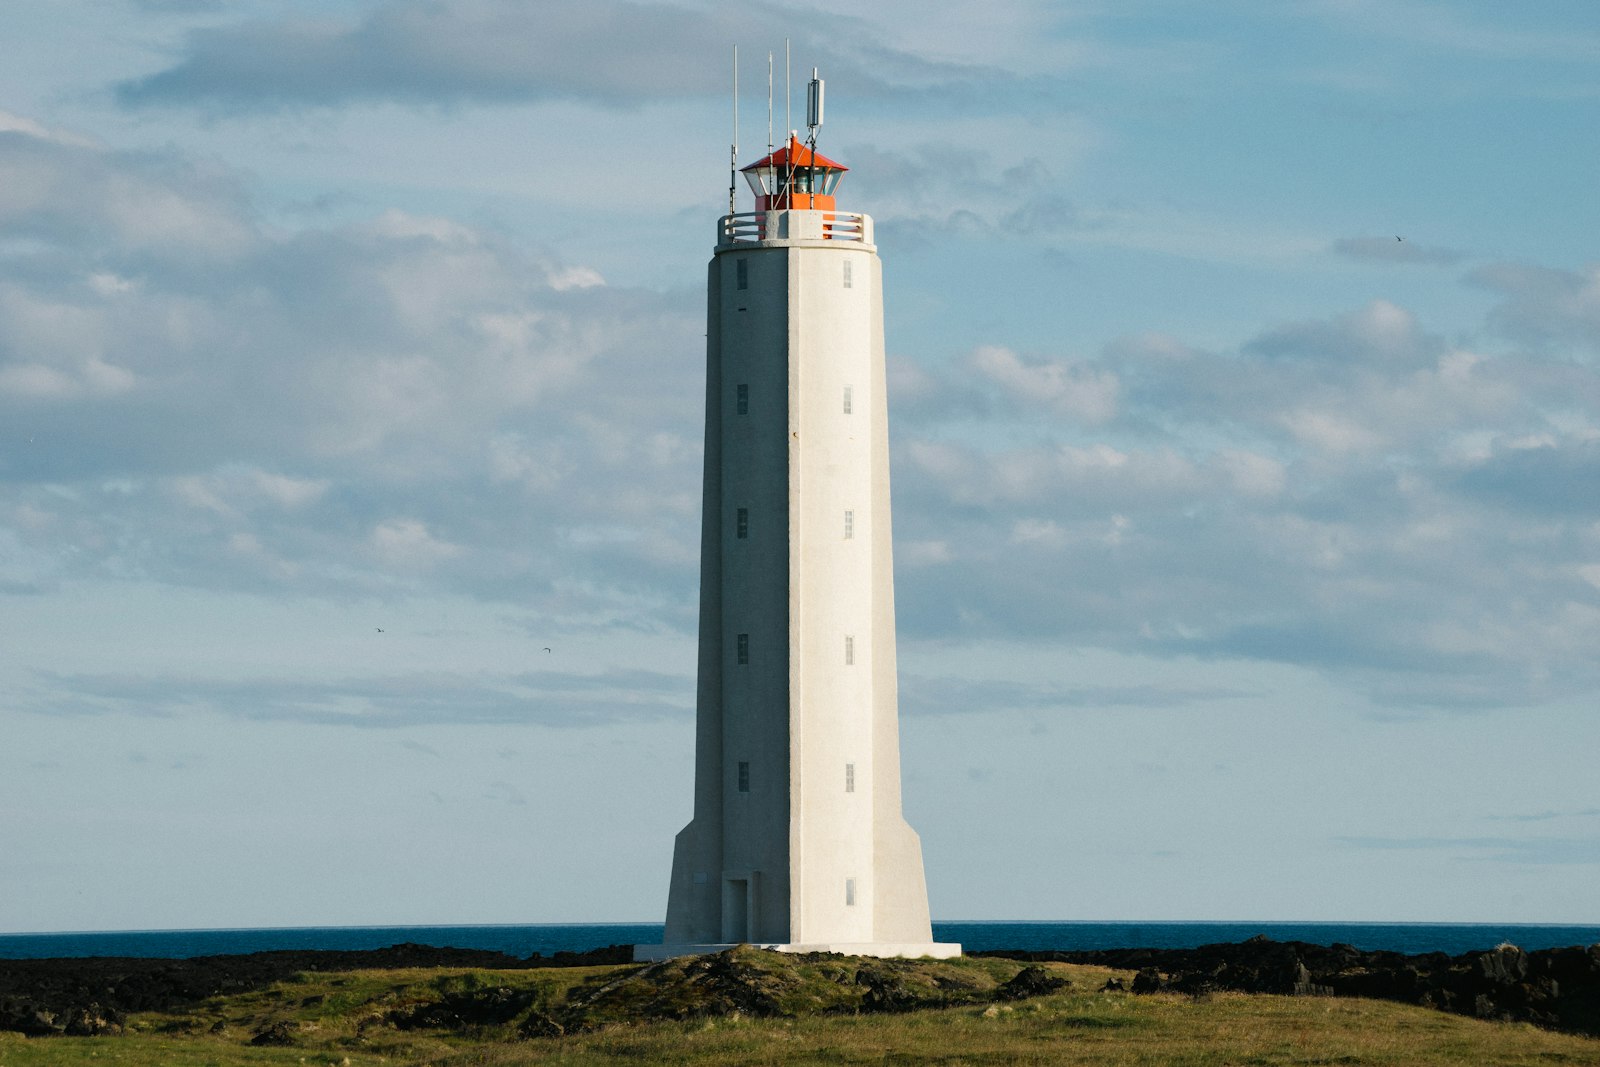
[795, 154]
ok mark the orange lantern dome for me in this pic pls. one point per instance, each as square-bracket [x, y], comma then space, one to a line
[794, 177]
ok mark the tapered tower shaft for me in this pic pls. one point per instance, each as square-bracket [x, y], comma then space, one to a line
[797, 839]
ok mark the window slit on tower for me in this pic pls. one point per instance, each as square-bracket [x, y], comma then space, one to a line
[847, 265]
[744, 648]
[742, 525]
[847, 400]
[849, 525]
[744, 400]
[849, 650]
[850, 892]
[741, 273]
[849, 777]
[744, 777]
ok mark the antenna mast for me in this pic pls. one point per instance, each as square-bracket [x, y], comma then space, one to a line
[733, 152]
[788, 128]
[769, 103]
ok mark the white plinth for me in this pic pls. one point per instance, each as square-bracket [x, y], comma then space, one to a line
[939, 950]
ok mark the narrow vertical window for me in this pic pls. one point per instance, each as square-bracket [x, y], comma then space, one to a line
[849, 524]
[847, 265]
[741, 273]
[744, 400]
[849, 777]
[850, 892]
[849, 650]
[742, 525]
[744, 777]
[847, 399]
[744, 648]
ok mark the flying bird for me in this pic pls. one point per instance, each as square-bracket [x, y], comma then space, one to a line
[380, 629]
[1397, 237]
[547, 650]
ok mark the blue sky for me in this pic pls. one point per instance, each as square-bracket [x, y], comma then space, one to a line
[1248, 558]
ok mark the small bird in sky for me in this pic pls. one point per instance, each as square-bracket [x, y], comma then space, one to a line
[547, 650]
[1397, 237]
[380, 629]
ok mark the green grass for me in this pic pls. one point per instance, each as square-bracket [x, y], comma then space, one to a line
[338, 1017]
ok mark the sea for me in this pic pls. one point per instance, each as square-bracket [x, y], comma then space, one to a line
[549, 938]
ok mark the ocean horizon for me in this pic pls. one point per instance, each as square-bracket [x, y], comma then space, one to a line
[546, 939]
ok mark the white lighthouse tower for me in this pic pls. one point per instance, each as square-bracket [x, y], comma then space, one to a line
[797, 841]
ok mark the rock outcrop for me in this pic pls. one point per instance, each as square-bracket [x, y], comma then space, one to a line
[93, 995]
[1555, 988]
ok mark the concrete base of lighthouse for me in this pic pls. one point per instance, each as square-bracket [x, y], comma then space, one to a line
[939, 950]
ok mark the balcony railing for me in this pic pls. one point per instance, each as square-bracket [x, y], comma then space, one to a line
[752, 226]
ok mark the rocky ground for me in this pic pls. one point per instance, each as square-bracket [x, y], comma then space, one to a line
[87, 997]
[94, 995]
[1553, 988]
[1556, 988]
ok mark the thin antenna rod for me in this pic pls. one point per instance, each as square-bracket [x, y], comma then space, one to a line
[769, 103]
[788, 131]
[733, 153]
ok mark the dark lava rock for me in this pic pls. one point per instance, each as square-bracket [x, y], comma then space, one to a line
[724, 983]
[92, 1021]
[537, 1024]
[1031, 981]
[41, 997]
[1114, 985]
[279, 1033]
[1503, 965]
[24, 1017]
[732, 985]
[1555, 988]
[886, 992]
[596, 957]
[1148, 980]
[459, 1011]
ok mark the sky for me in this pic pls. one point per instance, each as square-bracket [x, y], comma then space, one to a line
[1244, 368]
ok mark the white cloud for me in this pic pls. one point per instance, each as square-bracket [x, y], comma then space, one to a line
[408, 543]
[612, 52]
[11, 123]
[1330, 431]
[145, 204]
[575, 278]
[1337, 493]
[1546, 306]
[323, 406]
[1075, 389]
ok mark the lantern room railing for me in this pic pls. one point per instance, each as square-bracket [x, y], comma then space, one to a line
[752, 226]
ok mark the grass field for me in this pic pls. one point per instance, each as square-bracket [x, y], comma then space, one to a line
[339, 1018]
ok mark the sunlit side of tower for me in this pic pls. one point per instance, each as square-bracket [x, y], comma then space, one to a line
[797, 840]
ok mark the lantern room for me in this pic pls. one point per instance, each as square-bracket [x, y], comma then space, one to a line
[794, 177]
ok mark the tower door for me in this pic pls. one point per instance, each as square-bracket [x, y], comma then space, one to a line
[738, 908]
[735, 911]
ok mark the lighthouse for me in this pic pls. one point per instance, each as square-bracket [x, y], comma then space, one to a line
[797, 841]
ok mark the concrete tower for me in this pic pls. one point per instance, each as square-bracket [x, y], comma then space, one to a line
[797, 840]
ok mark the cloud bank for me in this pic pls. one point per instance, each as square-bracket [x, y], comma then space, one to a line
[614, 53]
[410, 405]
